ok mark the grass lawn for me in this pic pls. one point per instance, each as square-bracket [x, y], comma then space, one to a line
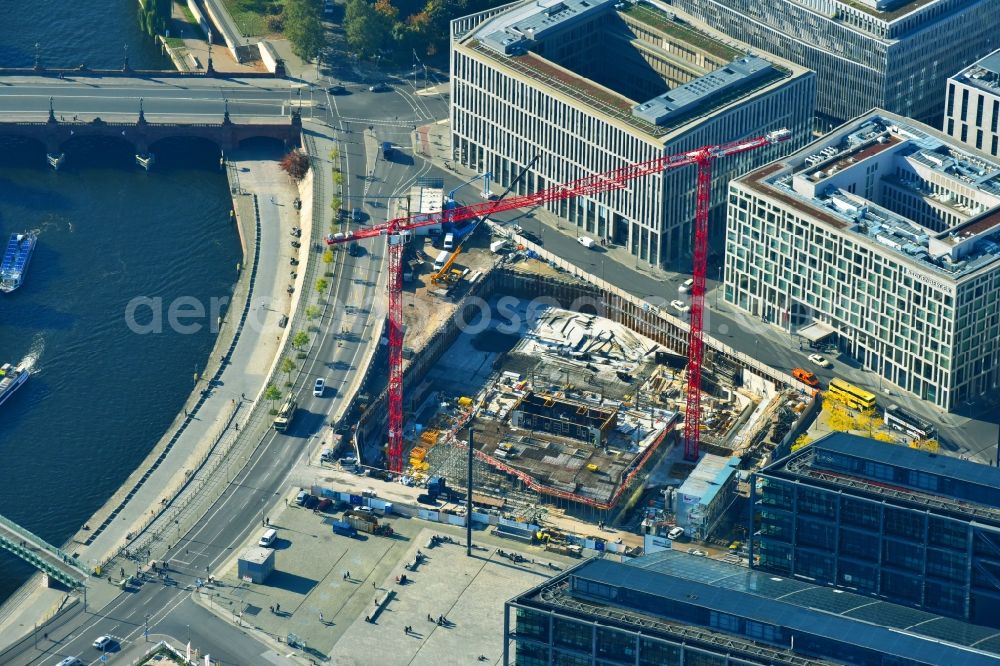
[174, 42]
[251, 15]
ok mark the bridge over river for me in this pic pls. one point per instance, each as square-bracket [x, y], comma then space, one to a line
[55, 111]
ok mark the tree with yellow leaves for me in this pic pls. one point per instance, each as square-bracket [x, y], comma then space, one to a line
[884, 437]
[869, 421]
[838, 417]
[801, 441]
[925, 445]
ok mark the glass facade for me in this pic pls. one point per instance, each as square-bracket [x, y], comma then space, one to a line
[841, 535]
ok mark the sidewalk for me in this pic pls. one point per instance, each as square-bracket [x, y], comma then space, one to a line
[194, 54]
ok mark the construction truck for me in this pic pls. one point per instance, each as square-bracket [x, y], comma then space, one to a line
[361, 521]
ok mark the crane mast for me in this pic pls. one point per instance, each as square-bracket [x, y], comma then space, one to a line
[398, 230]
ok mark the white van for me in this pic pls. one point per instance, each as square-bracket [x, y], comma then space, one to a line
[268, 538]
[586, 242]
[449, 242]
[442, 258]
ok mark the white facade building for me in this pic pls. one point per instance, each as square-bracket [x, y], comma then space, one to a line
[587, 86]
[884, 235]
[972, 106]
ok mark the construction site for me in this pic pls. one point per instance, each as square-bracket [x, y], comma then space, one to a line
[574, 389]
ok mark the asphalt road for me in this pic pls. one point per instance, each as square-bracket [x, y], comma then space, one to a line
[237, 514]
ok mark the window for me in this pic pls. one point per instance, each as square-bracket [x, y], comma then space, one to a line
[965, 104]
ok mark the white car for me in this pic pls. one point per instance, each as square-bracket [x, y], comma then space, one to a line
[820, 360]
[685, 286]
[675, 533]
[104, 643]
[586, 242]
[680, 306]
[319, 387]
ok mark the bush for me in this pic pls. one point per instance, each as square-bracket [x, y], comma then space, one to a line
[296, 164]
[276, 23]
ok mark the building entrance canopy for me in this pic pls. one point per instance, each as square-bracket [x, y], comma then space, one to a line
[817, 331]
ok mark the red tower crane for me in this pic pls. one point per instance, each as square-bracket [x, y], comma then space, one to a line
[397, 232]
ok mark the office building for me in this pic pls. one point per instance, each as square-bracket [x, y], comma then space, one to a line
[704, 497]
[587, 86]
[882, 238]
[883, 520]
[972, 105]
[671, 608]
[891, 54]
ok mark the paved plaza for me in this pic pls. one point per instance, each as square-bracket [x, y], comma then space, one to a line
[308, 595]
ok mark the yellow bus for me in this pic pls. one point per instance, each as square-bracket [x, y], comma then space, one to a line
[851, 395]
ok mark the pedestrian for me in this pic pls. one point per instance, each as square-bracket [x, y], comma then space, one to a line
[272, 608]
[277, 607]
[237, 426]
[267, 520]
[348, 575]
[406, 630]
[243, 396]
[321, 616]
[373, 585]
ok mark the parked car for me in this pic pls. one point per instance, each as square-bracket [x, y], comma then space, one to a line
[685, 286]
[268, 538]
[324, 504]
[426, 499]
[586, 241]
[319, 387]
[675, 533]
[820, 360]
[355, 250]
[70, 661]
[311, 502]
[680, 306]
[300, 499]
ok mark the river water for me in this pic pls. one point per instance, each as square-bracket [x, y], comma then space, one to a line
[100, 395]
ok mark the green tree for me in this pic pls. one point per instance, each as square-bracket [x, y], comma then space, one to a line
[304, 28]
[313, 312]
[367, 31]
[272, 394]
[287, 367]
[338, 178]
[300, 340]
[321, 285]
[336, 203]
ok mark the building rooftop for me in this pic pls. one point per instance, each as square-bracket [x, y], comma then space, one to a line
[737, 75]
[515, 30]
[827, 179]
[900, 474]
[984, 73]
[708, 478]
[514, 38]
[256, 555]
[654, 594]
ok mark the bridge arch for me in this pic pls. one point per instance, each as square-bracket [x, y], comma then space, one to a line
[101, 148]
[18, 149]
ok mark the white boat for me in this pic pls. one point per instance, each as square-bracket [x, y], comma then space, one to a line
[15, 261]
[11, 379]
